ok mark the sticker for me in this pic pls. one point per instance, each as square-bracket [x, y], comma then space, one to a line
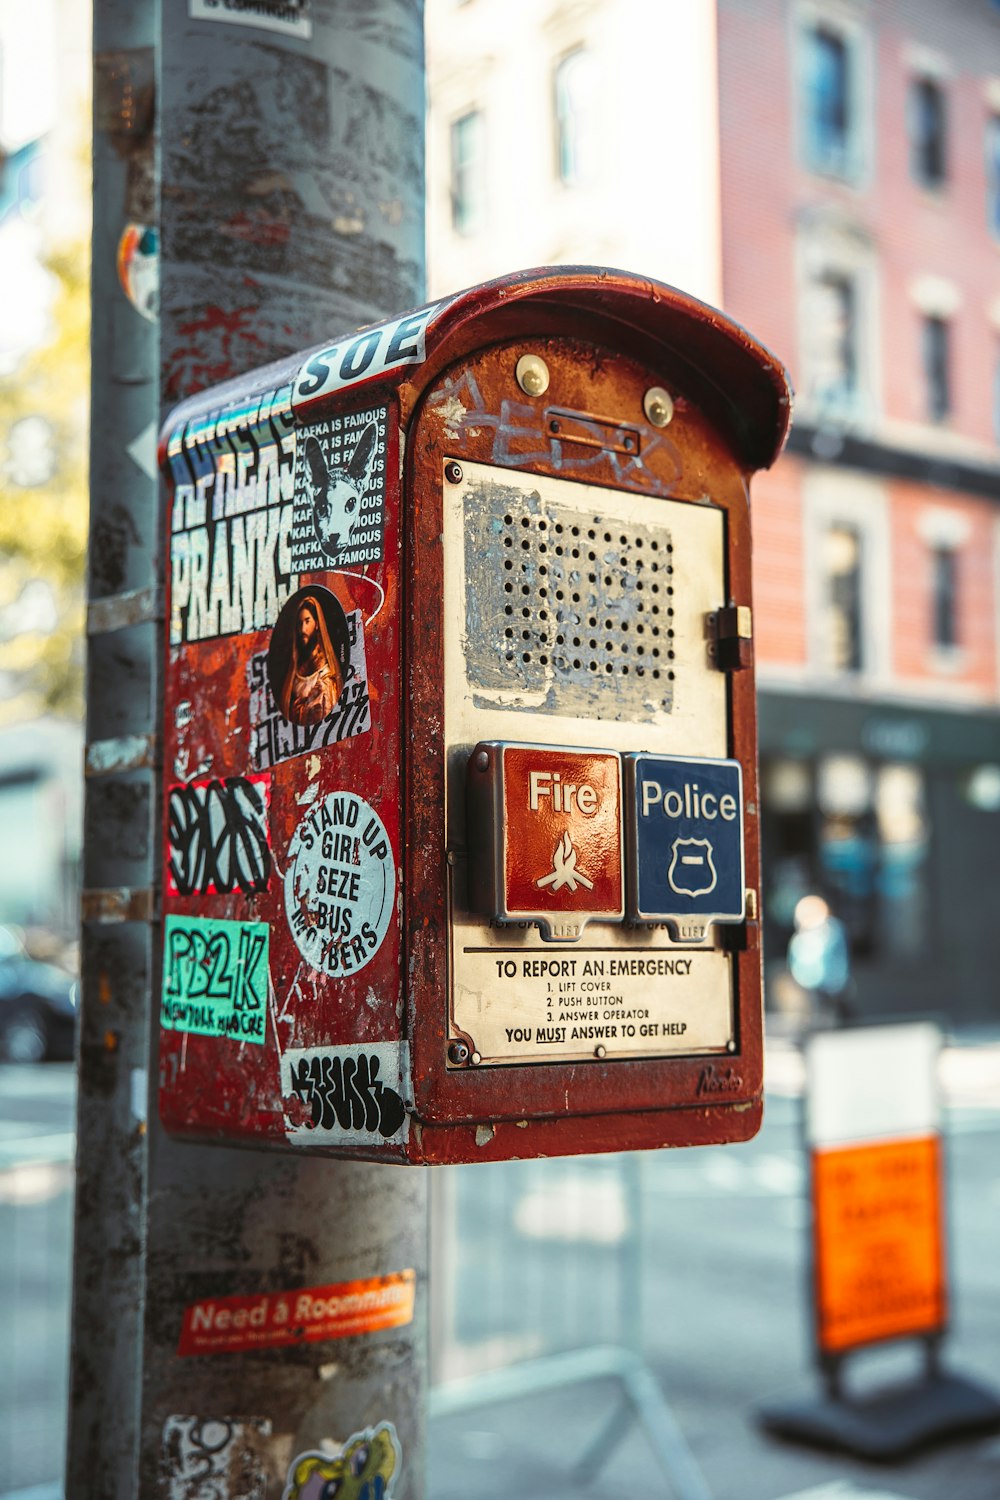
[339, 516]
[204, 1456]
[343, 1095]
[340, 884]
[276, 676]
[231, 520]
[365, 1469]
[215, 977]
[309, 1315]
[217, 833]
[289, 17]
[308, 660]
[362, 356]
[139, 268]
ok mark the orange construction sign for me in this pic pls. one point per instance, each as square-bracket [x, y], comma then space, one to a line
[878, 1241]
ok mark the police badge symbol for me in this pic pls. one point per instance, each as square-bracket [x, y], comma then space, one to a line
[691, 871]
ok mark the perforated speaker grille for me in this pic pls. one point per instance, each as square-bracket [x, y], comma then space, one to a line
[565, 605]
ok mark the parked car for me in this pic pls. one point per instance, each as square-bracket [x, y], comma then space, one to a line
[37, 1007]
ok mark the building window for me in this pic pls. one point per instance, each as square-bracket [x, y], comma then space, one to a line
[936, 340]
[993, 174]
[575, 104]
[832, 332]
[828, 103]
[842, 566]
[944, 563]
[468, 140]
[927, 132]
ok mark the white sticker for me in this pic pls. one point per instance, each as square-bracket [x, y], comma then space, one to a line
[289, 17]
[362, 356]
[347, 1095]
[201, 1454]
[340, 884]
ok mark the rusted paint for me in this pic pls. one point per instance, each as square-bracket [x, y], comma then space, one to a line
[131, 752]
[119, 905]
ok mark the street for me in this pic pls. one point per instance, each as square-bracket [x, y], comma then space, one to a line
[36, 1212]
[543, 1261]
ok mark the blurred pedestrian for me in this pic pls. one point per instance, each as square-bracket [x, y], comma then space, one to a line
[819, 959]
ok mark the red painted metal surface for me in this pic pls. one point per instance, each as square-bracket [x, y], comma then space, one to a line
[306, 879]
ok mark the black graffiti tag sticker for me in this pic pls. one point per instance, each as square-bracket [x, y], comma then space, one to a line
[343, 1095]
[340, 884]
[217, 836]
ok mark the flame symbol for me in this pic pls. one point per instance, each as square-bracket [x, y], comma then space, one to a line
[564, 871]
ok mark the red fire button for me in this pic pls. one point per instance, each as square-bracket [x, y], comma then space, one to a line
[546, 836]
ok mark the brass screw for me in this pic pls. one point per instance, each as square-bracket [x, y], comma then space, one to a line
[532, 375]
[658, 405]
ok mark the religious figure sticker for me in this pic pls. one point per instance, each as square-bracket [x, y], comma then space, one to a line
[339, 510]
[340, 884]
[310, 688]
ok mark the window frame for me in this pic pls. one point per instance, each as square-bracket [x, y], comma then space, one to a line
[835, 250]
[582, 171]
[832, 497]
[991, 151]
[937, 362]
[944, 559]
[468, 209]
[851, 163]
[928, 151]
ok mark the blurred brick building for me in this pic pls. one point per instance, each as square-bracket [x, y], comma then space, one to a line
[829, 171]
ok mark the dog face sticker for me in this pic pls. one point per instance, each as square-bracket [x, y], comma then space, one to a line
[337, 492]
[339, 511]
[364, 1470]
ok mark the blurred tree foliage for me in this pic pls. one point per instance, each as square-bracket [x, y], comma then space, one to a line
[44, 406]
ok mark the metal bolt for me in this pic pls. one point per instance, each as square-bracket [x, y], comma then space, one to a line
[476, 1058]
[730, 1045]
[600, 1051]
[453, 473]
[658, 405]
[532, 375]
[458, 1053]
[482, 760]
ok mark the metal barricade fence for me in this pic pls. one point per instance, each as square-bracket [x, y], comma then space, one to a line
[530, 1259]
[36, 1230]
[536, 1283]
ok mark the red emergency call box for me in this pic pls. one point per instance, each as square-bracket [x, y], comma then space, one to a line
[461, 837]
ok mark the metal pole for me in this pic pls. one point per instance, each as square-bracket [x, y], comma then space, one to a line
[288, 195]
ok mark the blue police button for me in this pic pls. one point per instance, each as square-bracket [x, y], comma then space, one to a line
[685, 839]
